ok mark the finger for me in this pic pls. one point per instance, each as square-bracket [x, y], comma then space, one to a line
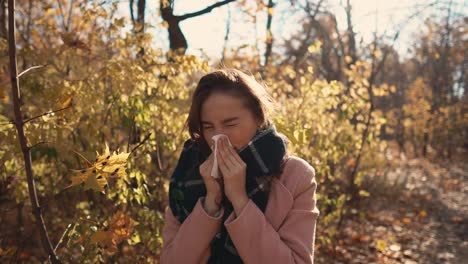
[230, 161]
[231, 153]
[235, 155]
[221, 182]
[208, 163]
[211, 160]
[222, 165]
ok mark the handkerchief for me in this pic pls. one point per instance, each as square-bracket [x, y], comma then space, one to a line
[215, 173]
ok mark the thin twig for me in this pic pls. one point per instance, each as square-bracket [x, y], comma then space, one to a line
[12, 122]
[30, 69]
[65, 233]
[158, 157]
[141, 143]
[47, 113]
[83, 157]
[36, 208]
[204, 11]
[42, 142]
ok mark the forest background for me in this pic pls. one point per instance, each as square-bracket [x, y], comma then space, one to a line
[372, 95]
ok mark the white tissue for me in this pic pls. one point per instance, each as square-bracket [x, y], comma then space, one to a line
[215, 170]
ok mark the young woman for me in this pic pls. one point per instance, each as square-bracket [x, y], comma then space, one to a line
[263, 207]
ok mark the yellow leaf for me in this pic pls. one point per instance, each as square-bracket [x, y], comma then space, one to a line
[364, 193]
[106, 164]
[381, 245]
[66, 102]
[77, 179]
[119, 158]
[80, 176]
[95, 182]
[315, 47]
[104, 155]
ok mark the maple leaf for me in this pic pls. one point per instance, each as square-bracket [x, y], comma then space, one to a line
[120, 228]
[106, 165]
[95, 183]
[81, 176]
[90, 179]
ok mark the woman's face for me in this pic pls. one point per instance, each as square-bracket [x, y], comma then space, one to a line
[226, 114]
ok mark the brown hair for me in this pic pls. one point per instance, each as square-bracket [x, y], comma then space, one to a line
[235, 83]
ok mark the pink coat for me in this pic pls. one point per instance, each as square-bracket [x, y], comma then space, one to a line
[284, 234]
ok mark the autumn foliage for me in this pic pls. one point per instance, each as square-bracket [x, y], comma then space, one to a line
[104, 88]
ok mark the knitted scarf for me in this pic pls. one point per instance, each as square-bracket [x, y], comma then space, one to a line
[263, 156]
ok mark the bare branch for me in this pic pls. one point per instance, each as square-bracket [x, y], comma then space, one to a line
[131, 12]
[47, 113]
[226, 35]
[141, 143]
[36, 208]
[269, 38]
[205, 10]
[37, 144]
[83, 157]
[30, 69]
[62, 14]
[12, 122]
[65, 233]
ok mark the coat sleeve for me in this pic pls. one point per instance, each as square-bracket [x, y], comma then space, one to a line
[186, 242]
[258, 242]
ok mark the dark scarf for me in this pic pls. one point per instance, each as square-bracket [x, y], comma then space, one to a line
[263, 156]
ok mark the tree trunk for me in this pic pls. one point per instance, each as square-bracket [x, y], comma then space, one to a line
[3, 21]
[26, 150]
[177, 41]
[351, 35]
[269, 37]
[139, 22]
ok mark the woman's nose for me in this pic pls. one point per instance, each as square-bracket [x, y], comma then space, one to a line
[218, 131]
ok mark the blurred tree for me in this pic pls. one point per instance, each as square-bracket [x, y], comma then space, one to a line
[439, 58]
[138, 21]
[177, 41]
[3, 17]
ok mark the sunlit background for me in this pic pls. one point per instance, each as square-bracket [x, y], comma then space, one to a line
[371, 94]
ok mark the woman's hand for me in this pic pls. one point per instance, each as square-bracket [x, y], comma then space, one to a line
[214, 191]
[233, 170]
